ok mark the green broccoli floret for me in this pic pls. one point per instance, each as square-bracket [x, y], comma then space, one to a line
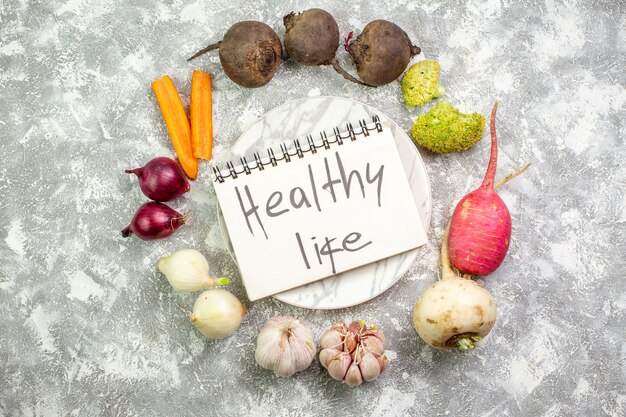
[445, 129]
[420, 83]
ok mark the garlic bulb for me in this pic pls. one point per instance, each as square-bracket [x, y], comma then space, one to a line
[285, 346]
[217, 313]
[188, 270]
[354, 353]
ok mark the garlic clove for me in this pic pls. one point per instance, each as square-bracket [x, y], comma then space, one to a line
[298, 331]
[369, 366]
[286, 365]
[350, 342]
[340, 327]
[353, 376]
[383, 361]
[188, 270]
[331, 338]
[302, 342]
[375, 332]
[274, 352]
[338, 365]
[302, 354]
[373, 344]
[356, 326]
[267, 352]
[327, 354]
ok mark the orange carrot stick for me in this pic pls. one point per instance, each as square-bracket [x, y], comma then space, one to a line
[201, 115]
[177, 124]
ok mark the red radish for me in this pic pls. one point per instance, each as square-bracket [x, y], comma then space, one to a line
[161, 179]
[480, 229]
[154, 221]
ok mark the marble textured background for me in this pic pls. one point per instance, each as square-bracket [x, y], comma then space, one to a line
[90, 328]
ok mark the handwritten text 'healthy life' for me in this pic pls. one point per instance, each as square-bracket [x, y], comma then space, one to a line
[298, 198]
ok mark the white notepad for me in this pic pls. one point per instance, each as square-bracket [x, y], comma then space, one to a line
[312, 209]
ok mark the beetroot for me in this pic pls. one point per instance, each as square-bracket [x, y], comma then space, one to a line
[312, 38]
[381, 52]
[250, 53]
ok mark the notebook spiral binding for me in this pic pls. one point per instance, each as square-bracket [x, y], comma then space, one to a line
[298, 151]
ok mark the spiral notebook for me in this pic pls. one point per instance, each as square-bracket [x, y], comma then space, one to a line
[315, 208]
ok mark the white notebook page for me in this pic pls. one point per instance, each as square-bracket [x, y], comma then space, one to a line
[319, 215]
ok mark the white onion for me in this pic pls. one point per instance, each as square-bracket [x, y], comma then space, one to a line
[188, 270]
[217, 313]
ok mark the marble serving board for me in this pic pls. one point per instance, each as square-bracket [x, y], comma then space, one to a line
[299, 118]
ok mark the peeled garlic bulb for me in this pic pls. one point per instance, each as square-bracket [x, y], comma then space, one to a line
[354, 353]
[188, 270]
[285, 345]
[217, 313]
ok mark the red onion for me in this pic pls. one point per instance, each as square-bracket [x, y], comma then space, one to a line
[154, 221]
[161, 179]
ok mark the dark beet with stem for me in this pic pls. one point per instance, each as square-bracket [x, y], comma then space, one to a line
[382, 52]
[161, 179]
[154, 221]
[312, 38]
[249, 53]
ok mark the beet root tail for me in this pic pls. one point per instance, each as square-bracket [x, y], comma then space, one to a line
[205, 50]
[345, 74]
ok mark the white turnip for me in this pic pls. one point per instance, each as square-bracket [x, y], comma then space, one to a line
[454, 312]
